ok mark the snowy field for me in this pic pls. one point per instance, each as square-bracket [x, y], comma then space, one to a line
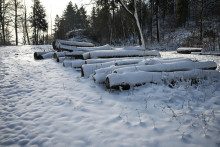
[44, 104]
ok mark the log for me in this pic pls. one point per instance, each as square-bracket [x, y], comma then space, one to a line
[61, 59]
[134, 48]
[67, 63]
[46, 56]
[67, 48]
[188, 50]
[37, 55]
[128, 61]
[75, 43]
[170, 67]
[86, 49]
[166, 60]
[59, 54]
[76, 54]
[121, 53]
[126, 80]
[100, 74]
[210, 53]
[88, 69]
[77, 63]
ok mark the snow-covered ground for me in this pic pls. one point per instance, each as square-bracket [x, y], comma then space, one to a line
[43, 103]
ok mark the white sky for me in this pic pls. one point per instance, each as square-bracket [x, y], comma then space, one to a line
[54, 7]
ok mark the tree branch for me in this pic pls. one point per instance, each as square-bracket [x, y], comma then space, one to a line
[126, 8]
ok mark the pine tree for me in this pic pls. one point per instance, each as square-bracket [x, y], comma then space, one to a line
[38, 20]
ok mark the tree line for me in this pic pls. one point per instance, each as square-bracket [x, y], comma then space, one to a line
[110, 23]
[163, 22]
[14, 20]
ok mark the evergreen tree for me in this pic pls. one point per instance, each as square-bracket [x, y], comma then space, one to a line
[182, 12]
[38, 20]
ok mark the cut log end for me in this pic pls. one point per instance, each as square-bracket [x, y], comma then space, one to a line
[82, 72]
[117, 87]
[40, 57]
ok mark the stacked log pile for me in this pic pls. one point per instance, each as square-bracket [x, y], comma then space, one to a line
[127, 67]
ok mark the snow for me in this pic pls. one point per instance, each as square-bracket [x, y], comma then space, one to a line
[43, 103]
[75, 43]
[143, 77]
[122, 53]
[85, 49]
[169, 67]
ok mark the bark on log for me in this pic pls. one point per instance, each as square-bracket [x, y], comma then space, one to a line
[126, 80]
[46, 56]
[37, 54]
[170, 67]
[210, 53]
[185, 50]
[76, 54]
[121, 53]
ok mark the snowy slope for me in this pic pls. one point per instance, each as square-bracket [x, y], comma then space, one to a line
[43, 103]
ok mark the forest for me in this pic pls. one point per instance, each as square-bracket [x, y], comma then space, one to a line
[165, 24]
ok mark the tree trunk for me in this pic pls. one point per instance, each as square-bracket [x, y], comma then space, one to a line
[136, 20]
[37, 36]
[16, 21]
[25, 24]
[3, 21]
[157, 21]
[201, 20]
[151, 20]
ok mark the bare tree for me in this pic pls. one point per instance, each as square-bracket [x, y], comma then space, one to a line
[134, 15]
[4, 22]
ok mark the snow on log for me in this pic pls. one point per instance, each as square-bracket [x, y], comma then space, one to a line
[77, 63]
[134, 48]
[86, 49]
[37, 55]
[100, 74]
[126, 80]
[61, 59]
[66, 48]
[46, 56]
[75, 43]
[67, 63]
[166, 60]
[88, 69]
[128, 61]
[59, 54]
[170, 67]
[121, 53]
[210, 53]
[188, 50]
